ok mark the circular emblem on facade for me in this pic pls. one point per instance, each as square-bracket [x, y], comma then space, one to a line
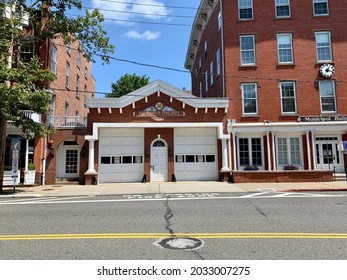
[327, 70]
[159, 106]
[180, 243]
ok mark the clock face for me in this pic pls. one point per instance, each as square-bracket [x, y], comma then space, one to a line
[327, 70]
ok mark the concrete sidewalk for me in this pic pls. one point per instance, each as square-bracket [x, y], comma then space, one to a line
[179, 187]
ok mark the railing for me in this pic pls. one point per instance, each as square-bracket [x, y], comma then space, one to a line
[31, 115]
[67, 122]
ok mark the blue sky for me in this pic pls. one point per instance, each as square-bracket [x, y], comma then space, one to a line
[156, 44]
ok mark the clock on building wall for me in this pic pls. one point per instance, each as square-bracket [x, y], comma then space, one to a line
[327, 70]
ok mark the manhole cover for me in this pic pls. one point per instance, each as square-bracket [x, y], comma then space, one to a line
[180, 243]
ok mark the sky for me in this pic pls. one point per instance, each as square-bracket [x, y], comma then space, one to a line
[152, 32]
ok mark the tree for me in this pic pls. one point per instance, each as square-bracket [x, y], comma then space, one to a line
[128, 83]
[23, 87]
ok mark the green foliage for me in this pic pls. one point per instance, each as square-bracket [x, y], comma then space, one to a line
[128, 83]
[31, 166]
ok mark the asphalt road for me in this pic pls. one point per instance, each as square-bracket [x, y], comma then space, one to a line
[238, 226]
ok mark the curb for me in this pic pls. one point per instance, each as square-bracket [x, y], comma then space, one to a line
[317, 190]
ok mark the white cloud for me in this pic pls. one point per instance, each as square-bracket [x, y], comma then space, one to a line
[119, 11]
[147, 35]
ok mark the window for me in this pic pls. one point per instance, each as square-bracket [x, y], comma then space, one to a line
[26, 52]
[78, 63]
[67, 75]
[288, 97]
[205, 48]
[250, 152]
[288, 151]
[245, 9]
[282, 8]
[247, 50]
[285, 50]
[327, 96]
[206, 81]
[211, 74]
[249, 99]
[200, 89]
[220, 22]
[86, 72]
[218, 62]
[320, 7]
[69, 48]
[54, 60]
[77, 85]
[323, 46]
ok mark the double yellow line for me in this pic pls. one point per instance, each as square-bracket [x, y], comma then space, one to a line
[227, 235]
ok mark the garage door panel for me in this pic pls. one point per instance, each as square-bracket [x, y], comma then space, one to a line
[195, 151]
[121, 150]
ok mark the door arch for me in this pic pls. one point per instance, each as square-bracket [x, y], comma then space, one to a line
[159, 160]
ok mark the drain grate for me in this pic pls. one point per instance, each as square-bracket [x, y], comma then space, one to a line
[180, 243]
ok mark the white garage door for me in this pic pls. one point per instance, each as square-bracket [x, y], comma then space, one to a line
[195, 154]
[121, 155]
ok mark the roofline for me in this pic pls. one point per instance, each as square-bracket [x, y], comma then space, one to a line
[160, 87]
[206, 8]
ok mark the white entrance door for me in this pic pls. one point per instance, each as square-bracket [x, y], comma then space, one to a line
[68, 162]
[159, 161]
[327, 155]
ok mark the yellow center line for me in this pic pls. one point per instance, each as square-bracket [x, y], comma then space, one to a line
[230, 235]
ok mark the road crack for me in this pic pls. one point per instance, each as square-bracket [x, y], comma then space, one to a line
[168, 215]
[258, 209]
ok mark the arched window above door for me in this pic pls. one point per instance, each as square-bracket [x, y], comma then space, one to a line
[159, 143]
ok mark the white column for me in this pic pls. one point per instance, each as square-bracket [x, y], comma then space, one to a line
[313, 141]
[224, 155]
[308, 150]
[273, 150]
[91, 169]
[234, 151]
[26, 154]
[229, 154]
[268, 150]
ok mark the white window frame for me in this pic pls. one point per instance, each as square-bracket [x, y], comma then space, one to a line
[250, 156]
[279, 48]
[242, 7]
[289, 155]
[283, 98]
[247, 50]
[282, 5]
[318, 47]
[218, 62]
[220, 22]
[67, 75]
[211, 74]
[54, 54]
[331, 96]
[243, 85]
[319, 2]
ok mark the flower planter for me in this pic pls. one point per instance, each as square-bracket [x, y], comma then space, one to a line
[29, 177]
[8, 180]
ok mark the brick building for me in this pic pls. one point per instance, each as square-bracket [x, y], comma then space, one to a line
[282, 65]
[58, 155]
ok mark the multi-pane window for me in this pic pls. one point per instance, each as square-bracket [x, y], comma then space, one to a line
[320, 7]
[200, 89]
[206, 81]
[250, 152]
[26, 52]
[288, 151]
[282, 8]
[288, 97]
[67, 75]
[327, 96]
[323, 46]
[54, 60]
[77, 85]
[247, 48]
[211, 74]
[249, 98]
[245, 9]
[205, 48]
[69, 48]
[218, 62]
[220, 23]
[285, 48]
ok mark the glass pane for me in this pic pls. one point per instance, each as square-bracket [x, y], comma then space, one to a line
[71, 161]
